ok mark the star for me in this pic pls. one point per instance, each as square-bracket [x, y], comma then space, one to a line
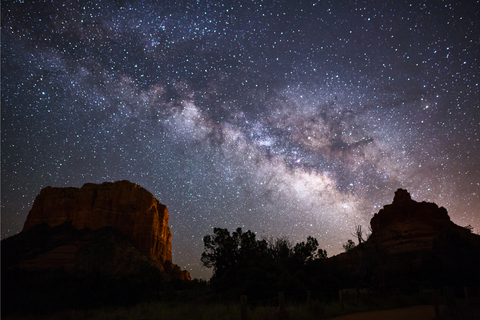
[286, 119]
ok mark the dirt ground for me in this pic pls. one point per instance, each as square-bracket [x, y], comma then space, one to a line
[410, 313]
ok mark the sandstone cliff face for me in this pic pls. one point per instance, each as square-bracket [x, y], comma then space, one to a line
[123, 205]
[409, 226]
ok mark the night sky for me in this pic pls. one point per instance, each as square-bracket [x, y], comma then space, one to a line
[286, 118]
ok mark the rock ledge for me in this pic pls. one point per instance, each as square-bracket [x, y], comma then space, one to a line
[123, 205]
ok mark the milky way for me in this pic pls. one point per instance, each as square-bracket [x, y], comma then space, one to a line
[285, 118]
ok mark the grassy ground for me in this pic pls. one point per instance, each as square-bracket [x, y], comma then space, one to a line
[221, 311]
[411, 313]
[225, 311]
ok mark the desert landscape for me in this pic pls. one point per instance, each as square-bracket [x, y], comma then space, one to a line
[104, 251]
[240, 159]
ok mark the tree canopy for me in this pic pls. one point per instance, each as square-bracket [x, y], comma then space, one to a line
[224, 252]
[240, 258]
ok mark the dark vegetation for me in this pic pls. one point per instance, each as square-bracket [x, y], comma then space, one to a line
[245, 265]
[260, 268]
[109, 271]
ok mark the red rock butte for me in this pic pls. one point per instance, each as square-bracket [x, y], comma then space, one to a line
[123, 205]
[410, 226]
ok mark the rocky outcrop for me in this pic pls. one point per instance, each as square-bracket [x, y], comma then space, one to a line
[176, 272]
[123, 205]
[105, 251]
[409, 226]
[47, 269]
[412, 244]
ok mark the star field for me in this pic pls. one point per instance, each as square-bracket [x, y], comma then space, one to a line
[284, 118]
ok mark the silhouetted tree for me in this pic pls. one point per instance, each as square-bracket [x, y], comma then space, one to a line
[358, 233]
[349, 245]
[321, 254]
[305, 252]
[224, 251]
[279, 248]
[241, 263]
